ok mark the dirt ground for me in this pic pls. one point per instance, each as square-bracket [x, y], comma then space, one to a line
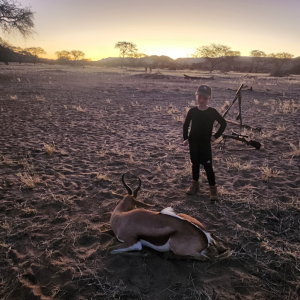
[67, 136]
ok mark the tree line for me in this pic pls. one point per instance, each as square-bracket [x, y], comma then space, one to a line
[14, 17]
[217, 54]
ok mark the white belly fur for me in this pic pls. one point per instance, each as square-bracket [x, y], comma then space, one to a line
[163, 248]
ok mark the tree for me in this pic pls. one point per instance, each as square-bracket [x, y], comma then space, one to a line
[257, 59]
[77, 55]
[64, 54]
[279, 59]
[126, 49]
[215, 53]
[68, 56]
[35, 52]
[229, 59]
[6, 53]
[20, 53]
[16, 18]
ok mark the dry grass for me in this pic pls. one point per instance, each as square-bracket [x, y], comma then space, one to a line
[100, 177]
[14, 97]
[159, 167]
[101, 153]
[28, 181]
[131, 160]
[267, 173]
[179, 119]
[172, 110]
[284, 106]
[50, 149]
[281, 127]
[29, 211]
[40, 98]
[80, 109]
[6, 160]
[234, 163]
[295, 150]
[157, 108]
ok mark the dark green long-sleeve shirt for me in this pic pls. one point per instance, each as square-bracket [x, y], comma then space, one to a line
[202, 124]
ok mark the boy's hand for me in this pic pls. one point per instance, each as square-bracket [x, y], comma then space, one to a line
[212, 139]
[186, 142]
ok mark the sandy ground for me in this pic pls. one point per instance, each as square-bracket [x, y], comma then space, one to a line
[99, 123]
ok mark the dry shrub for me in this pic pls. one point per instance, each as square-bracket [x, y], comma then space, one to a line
[172, 109]
[100, 177]
[157, 108]
[159, 168]
[281, 127]
[267, 173]
[256, 102]
[131, 160]
[101, 153]
[6, 160]
[110, 129]
[29, 211]
[40, 98]
[179, 119]
[14, 97]
[80, 109]
[134, 103]
[140, 127]
[50, 149]
[295, 150]
[28, 180]
[233, 163]
[284, 106]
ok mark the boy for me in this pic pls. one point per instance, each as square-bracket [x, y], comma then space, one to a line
[202, 117]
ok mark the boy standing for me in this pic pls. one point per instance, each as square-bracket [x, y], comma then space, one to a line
[202, 117]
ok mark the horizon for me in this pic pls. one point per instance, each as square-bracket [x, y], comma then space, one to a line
[94, 27]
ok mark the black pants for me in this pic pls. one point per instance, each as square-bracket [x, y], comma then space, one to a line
[201, 154]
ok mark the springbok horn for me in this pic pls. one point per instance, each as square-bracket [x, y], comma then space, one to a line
[137, 189]
[126, 186]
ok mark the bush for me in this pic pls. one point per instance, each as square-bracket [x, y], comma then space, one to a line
[278, 73]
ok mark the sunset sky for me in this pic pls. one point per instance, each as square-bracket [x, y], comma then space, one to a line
[162, 27]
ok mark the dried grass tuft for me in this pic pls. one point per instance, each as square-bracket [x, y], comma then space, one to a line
[100, 177]
[295, 150]
[80, 109]
[50, 149]
[28, 180]
[268, 173]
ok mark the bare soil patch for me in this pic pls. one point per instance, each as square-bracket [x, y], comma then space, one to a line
[67, 136]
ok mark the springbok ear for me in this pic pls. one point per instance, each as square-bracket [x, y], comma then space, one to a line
[142, 204]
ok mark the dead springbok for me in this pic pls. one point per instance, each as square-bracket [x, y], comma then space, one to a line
[163, 231]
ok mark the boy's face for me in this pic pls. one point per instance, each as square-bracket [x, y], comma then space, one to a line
[202, 100]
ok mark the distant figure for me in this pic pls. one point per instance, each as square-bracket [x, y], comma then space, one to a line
[150, 70]
[200, 137]
[146, 69]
